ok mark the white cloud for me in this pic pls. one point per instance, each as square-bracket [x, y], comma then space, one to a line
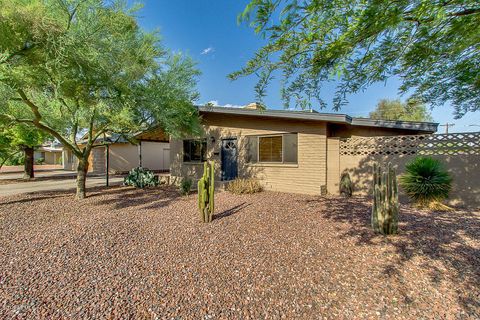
[208, 50]
[214, 103]
[228, 105]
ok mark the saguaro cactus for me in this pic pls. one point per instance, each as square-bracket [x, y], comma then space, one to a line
[385, 200]
[206, 192]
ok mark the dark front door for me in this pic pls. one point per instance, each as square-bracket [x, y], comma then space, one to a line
[229, 159]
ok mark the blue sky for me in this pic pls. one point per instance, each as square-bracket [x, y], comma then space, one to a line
[207, 30]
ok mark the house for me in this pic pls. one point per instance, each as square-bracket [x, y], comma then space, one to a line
[149, 149]
[285, 150]
[50, 153]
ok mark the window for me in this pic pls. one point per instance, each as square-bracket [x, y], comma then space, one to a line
[194, 150]
[270, 149]
[275, 148]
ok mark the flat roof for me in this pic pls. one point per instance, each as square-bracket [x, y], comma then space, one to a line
[430, 127]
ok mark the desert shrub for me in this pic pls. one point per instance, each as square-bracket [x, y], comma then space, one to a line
[241, 186]
[141, 178]
[186, 186]
[346, 185]
[426, 181]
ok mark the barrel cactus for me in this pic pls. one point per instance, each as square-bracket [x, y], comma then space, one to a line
[385, 200]
[206, 192]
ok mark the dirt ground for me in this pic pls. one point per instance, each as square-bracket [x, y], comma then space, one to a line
[124, 253]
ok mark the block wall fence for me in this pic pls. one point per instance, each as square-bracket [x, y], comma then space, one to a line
[459, 152]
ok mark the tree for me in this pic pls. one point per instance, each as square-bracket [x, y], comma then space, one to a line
[83, 67]
[433, 46]
[20, 138]
[412, 110]
[26, 138]
[6, 152]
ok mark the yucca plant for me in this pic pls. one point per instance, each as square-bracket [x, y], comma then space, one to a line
[426, 182]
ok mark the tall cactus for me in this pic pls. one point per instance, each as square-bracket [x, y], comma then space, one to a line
[206, 192]
[385, 200]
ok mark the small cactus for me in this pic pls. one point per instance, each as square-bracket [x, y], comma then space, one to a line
[385, 200]
[206, 192]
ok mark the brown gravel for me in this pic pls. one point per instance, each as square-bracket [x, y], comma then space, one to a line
[124, 253]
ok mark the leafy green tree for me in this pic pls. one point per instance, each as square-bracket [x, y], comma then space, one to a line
[412, 110]
[6, 152]
[433, 46]
[20, 138]
[74, 68]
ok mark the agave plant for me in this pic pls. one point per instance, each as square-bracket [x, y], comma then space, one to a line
[426, 181]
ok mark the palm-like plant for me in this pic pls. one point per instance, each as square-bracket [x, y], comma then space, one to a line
[426, 182]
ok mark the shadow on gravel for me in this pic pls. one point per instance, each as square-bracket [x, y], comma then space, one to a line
[445, 237]
[231, 211]
[147, 198]
[32, 199]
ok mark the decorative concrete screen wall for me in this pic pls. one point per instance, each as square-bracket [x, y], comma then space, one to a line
[460, 152]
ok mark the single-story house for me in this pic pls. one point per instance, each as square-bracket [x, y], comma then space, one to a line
[285, 150]
[51, 153]
[115, 152]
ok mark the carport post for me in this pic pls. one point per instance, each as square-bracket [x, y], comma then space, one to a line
[107, 164]
[140, 153]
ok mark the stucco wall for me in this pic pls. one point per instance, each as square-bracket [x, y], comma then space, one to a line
[308, 176]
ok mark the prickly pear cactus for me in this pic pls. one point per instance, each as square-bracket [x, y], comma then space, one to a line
[206, 192]
[385, 200]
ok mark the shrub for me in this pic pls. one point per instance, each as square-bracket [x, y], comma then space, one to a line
[39, 161]
[426, 181]
[141, 178]
[186, 186]
[241, 186]
[346, 185]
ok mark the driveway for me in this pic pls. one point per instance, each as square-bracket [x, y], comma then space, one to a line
[43, 173]
[60, 180]
[36, 167]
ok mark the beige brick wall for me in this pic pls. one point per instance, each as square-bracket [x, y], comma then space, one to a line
[308, 176]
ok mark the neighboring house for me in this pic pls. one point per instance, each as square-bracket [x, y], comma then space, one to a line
[152, 151]
[285, 150]
[49, 154]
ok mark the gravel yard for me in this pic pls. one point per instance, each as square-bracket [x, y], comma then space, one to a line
[124, 253]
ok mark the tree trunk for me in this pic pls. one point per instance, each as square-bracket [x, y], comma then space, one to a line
[28, 163]
[82, 170]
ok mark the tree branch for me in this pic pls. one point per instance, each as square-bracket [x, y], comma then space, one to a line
[37, 123]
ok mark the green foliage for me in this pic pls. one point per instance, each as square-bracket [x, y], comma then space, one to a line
[244, 186]
[426, 180]
[15, 159]
[346, 185]
[186, 186]
[433, 46]
[13, 138]
[412, 110]
[39, 161]
[206, 192]
[141, 178]
[85, 68]
[385, 200]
